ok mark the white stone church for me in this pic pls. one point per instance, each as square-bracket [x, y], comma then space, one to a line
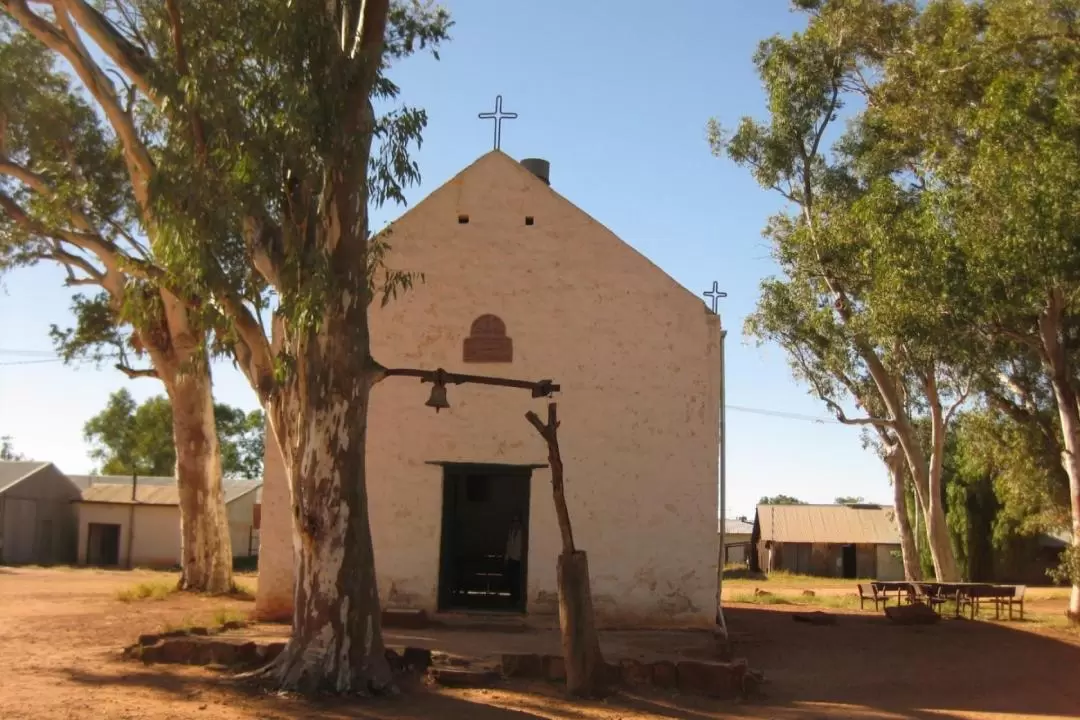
[520, 283]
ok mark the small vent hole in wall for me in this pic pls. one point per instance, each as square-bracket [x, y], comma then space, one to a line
[529, 220]
[463, 219]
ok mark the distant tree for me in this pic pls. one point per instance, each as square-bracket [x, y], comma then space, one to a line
[850, 500]
[128, 437]
[781, 500]
[7, 449]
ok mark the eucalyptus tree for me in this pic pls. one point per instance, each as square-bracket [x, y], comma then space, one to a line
[987, 100]
[860, 308]
[66, 197]
[276, 131]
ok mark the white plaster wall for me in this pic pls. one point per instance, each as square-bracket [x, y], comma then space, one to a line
[637, 358]
[274, 597]
[156, 532]
[241, 513]
[889, 565]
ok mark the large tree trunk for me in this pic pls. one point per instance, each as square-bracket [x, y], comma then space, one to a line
[925, 474]
[336, 643]
[894, 459]
[205, 545]
[930, 492]
[1051, 325]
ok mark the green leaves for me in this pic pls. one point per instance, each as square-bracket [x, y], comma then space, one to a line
[7, 449]
[930, 235]
[128, 437]
[780, 500]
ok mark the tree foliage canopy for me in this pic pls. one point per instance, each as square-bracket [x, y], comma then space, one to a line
[7, 449]
[128, 438]
[780, 500]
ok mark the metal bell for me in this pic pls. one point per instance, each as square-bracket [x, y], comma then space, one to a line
[438, 397]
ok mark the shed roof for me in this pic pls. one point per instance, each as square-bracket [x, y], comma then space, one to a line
[735, 527]
[85, 481]
[12, 471]
[120, 494]
[848, 524]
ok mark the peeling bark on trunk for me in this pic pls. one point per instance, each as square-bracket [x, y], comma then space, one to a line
[897, 465]
[1051, 324]
[926, 481]
[928, 489]
[320, 422]
[205, 544]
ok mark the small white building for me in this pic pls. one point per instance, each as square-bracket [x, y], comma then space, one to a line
[736, 550]
[128, 524]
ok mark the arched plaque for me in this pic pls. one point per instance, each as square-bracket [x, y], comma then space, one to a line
[487, 341]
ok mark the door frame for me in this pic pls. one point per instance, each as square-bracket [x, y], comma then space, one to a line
[89, 530]
[844, 549]
[449, 505]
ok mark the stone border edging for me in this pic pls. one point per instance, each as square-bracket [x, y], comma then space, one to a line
[716, 679]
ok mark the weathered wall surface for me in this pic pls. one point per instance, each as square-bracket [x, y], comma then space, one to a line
[156, 533]
[37, 519]
[638, 360]
[890, 566]
[241, 512]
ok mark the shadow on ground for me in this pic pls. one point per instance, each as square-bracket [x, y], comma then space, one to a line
[862, 668]
[955, 666]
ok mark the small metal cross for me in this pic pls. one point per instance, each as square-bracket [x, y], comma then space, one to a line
[715, 295]
[498, 116]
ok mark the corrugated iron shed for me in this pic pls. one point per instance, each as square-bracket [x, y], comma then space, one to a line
[155, 494]
[843, 524]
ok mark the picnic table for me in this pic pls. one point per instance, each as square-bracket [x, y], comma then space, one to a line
[964, 594]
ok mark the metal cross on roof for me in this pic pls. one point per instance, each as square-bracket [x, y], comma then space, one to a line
[715, 295]
[498, 116]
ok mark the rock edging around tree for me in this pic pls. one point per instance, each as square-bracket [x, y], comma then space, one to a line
[716, 679]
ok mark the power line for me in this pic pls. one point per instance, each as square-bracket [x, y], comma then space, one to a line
[50, 357]
[33, 362]
[785, 415]
[27, 353]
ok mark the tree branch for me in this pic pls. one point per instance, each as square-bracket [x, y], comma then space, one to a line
[38, 184]
[263, 241]
[253, 352]
[176, 24]
[960, 400]
[71, 260]
[136, 372]
[65, 41]
[825, 396]
[131, 59]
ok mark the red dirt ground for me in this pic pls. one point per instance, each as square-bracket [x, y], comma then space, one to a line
[61, 631]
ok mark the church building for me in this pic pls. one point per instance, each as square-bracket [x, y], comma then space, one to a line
[520, 283]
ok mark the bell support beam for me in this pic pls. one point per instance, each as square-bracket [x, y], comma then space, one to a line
[541, 388]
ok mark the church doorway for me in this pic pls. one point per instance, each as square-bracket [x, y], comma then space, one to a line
[485, 535]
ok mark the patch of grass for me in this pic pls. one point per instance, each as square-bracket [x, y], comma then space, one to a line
[242, 591]
[752, 599]
[148, 590]
[185, 624]
[217, 619]
[831, 601]
[222, 616]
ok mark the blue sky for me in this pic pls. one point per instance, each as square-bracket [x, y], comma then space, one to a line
[617, 99]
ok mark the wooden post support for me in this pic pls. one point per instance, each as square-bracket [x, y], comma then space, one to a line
[585, 667]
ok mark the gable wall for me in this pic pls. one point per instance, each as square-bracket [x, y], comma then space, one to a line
[637, 358]
[37, 519]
